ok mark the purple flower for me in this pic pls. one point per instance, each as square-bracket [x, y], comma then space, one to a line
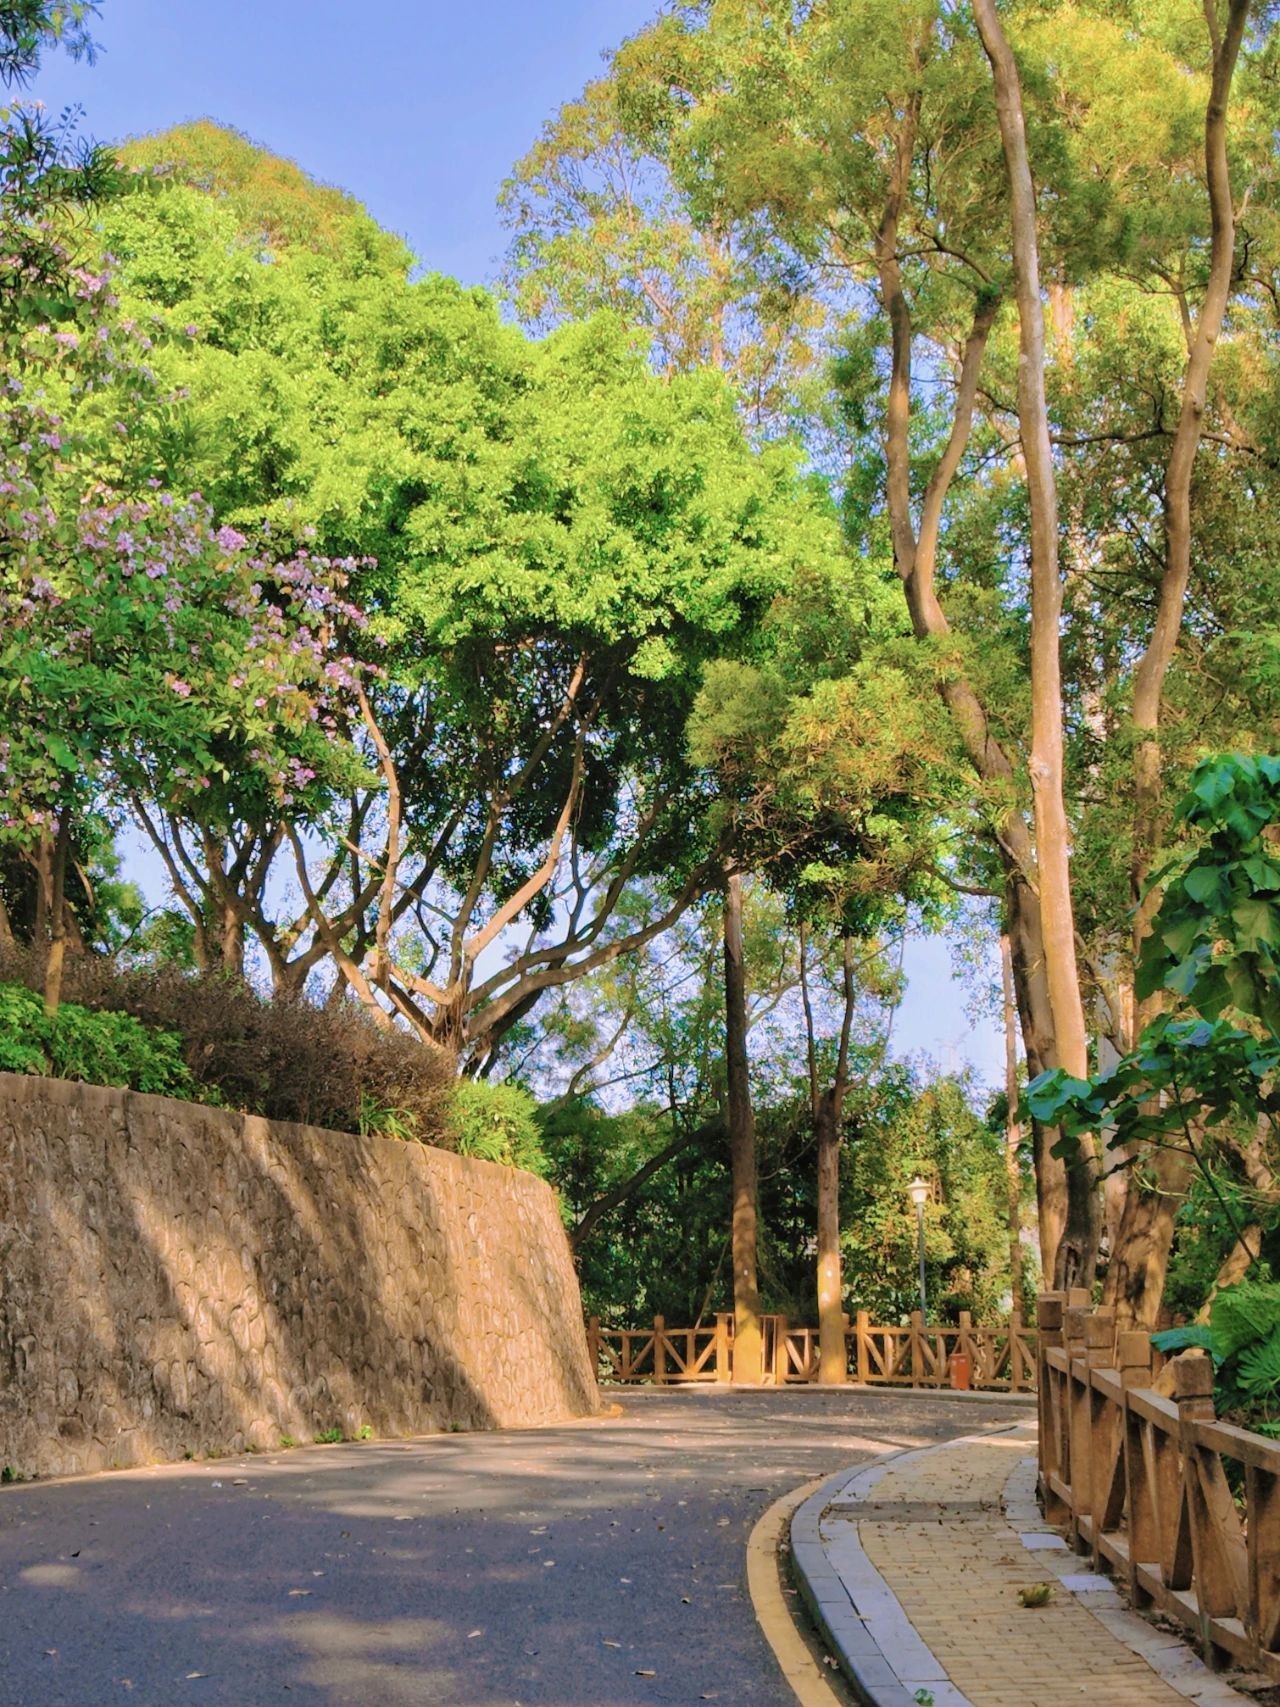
[229, 539]
[181, 688]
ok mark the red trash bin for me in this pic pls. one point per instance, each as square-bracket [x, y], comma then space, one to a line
[960, 1370]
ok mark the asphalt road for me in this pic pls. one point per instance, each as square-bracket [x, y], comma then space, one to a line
[596, 1565]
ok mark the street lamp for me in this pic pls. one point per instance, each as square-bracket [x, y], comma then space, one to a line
[919, 1192]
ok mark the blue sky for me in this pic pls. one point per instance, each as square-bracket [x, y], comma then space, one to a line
[421, 115]
[418, 108]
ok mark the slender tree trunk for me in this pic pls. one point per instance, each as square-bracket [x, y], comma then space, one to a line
[1140, 1263]
[225, 926]
[42, 860]
[748, 1341]
[1012, 1128]
[1032, 994]
[833, 1363]
[833, 1357]
[915, 558]
[57, 918]
[827, 1111]
[1077, 1253]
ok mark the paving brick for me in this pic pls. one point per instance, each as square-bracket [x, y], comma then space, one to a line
[935, 1568]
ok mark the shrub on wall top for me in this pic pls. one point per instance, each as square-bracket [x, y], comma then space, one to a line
[286, 1060]
[498, 1123]
[100, 1048]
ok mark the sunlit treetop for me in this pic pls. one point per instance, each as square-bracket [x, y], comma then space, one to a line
[267, 194]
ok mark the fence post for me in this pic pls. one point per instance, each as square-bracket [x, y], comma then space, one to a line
[659, 1351]
[1099, 1351]
[1218, 1550]
[780, 1351]
[1049, 1393]
[1016, 1382]
[917, 1348]
[1193, 1395]
[862, 1344]
[1133, 1359]
[723, 1371]
[1262, 1501]
[1077, 1406]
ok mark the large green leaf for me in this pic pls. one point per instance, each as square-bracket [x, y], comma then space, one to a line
[1241, 1315]
[1179, 1339]
[1259, 1367]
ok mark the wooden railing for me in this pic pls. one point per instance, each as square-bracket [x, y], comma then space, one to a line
[1182, 1508]
[1000, 1358]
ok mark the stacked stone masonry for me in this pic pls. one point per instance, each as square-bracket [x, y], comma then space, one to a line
[183, 1280]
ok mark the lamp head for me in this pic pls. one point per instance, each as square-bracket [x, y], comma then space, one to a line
[919, 1191]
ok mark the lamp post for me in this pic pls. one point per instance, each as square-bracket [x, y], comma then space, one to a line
[919, 1191]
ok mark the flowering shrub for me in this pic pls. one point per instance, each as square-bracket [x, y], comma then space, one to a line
[146, 653]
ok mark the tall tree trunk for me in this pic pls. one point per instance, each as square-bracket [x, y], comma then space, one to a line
[915, 551]
[57, 917]
[1012, 1128]
[833, 1357]
[1031, 991]
[1077, 1253]
[1140, 1263]
[833, 1363]
[748, 1340]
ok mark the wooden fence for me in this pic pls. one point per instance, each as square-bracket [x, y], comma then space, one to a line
[1184, 1509]
[1000, 1358]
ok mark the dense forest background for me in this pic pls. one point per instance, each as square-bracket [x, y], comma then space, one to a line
[553, 710]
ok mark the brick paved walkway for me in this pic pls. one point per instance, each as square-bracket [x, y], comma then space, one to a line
[931, 1550]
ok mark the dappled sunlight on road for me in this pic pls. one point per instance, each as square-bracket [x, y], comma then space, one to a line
[556, 1567]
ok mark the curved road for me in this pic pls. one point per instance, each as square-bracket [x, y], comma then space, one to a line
[601, 1564]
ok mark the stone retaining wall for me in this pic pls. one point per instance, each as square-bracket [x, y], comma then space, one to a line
[177, 1279]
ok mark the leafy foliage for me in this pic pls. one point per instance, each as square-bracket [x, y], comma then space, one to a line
[286, 1060]
[1243, 1338]
[1213, 947]
[497, 1123]
[100, 1048]
[665, 1249]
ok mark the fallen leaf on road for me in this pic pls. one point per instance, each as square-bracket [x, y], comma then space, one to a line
[51, 1653]
[605, 1642]
[547, 1564]
[191, 1675]
[646, 1674]
[471, 1633]
[298, 1591]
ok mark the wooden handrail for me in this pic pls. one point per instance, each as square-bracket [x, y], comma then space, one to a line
[1002, 1357]
[1138, 1480]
